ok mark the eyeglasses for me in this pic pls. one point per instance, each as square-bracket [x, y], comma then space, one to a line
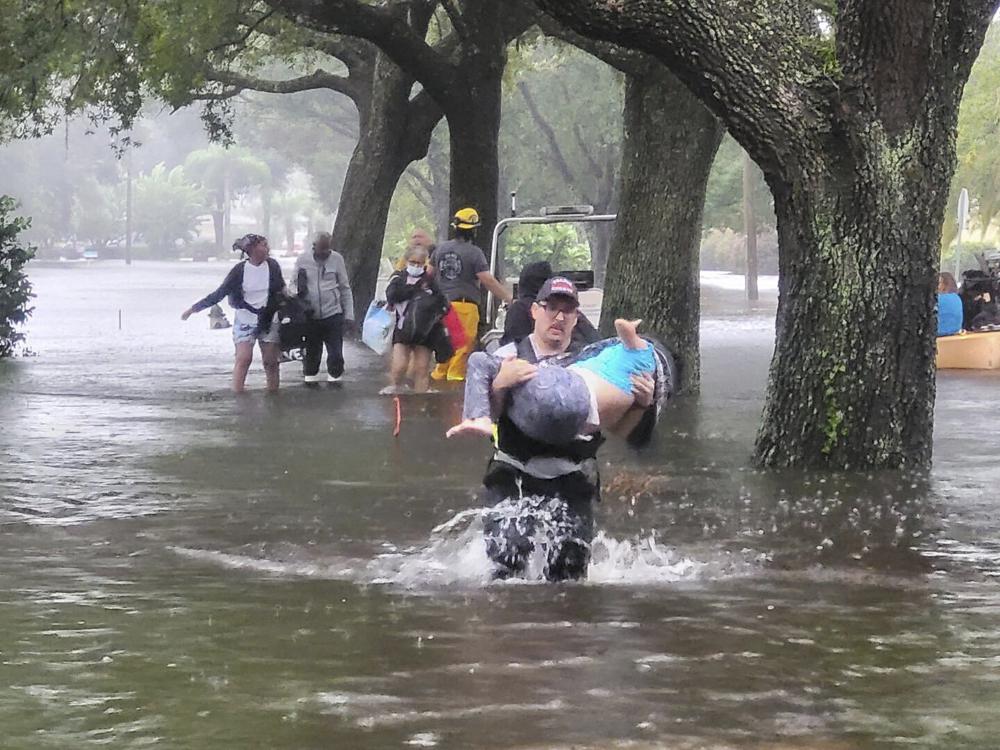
[568, 311]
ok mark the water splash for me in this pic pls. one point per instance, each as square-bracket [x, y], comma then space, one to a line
[455, 556]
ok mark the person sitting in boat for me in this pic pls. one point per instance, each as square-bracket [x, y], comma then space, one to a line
[949, 305]
[976, 293]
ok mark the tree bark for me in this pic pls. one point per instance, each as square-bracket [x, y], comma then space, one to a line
[855, 136]
[670, 142]
[750, 229]
[394, 131]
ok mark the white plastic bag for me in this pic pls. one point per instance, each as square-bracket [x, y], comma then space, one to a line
[376, 333]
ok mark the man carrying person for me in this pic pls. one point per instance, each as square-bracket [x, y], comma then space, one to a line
[532, 486]
[322, 282]
[461, 271]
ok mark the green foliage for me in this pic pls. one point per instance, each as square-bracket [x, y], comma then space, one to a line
[226, 171]
[559, 244]
[15, 289]
[977, 143]
[167, 208]
[99, 213]
[724, 194]
[581, 100]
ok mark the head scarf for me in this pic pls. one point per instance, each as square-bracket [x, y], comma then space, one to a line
[247, 241]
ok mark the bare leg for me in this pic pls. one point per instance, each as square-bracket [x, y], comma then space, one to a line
[244, 356]
[271, 355]
[626, 330]
[398, 364]
[420, 368]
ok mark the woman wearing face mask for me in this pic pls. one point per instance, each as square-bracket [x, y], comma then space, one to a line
[254, 287]
[419, 306]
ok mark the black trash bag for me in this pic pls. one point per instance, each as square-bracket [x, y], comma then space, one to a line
[294, 317]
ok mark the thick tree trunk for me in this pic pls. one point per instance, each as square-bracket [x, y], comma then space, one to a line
[670, 142]
[473, 110]
[855, 135]
[852, 380]
[394, 131]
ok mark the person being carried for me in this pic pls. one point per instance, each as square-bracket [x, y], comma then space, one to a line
[556, 404]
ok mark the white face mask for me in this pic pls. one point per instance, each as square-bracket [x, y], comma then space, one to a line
[414, 269]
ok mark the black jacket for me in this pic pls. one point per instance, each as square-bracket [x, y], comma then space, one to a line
[426, 306]
[232, 287]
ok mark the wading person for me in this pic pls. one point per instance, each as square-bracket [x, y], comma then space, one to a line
[322, 282]
[419, 305]
[254, 288]
[536, 489]
[461, 270]
[518, 322]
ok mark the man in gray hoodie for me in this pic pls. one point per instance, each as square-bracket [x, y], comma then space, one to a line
[322, 281]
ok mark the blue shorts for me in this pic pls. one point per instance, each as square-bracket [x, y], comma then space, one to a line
[617, 365]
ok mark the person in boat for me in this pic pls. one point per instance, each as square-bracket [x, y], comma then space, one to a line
[255, 287]
[949, 305]
[518, 323]
[534, 489]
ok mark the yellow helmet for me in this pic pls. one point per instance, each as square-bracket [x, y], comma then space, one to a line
[465, 218]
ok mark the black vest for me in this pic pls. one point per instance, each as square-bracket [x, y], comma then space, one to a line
[515, 443]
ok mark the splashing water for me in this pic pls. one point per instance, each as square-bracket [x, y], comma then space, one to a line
[455, 556]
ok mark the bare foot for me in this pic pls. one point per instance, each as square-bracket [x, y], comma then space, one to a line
[478, 426]
[627, 332]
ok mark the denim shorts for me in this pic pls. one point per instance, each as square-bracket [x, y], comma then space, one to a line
[243, 332]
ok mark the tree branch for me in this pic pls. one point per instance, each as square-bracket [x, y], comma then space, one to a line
[548, 133]
[378, 24]
[758, 77]
[318, 79]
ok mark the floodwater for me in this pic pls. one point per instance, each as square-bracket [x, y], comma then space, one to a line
[184, 568]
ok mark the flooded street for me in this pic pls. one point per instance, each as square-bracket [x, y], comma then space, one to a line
[185, 568]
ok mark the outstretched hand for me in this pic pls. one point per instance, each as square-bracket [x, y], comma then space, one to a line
[186, 314]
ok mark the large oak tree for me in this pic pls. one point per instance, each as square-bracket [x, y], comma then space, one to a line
[855, 133]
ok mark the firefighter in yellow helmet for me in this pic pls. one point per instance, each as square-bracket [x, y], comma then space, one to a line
[461, 270]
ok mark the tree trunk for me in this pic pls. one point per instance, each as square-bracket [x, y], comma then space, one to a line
[750, 229]
[394, 131]
[670, 142]
[473, 111]
[474, 136]
[854, 130]
[218, 227]
[852, 379]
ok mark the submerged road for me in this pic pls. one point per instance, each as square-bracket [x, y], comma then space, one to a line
[183, 568]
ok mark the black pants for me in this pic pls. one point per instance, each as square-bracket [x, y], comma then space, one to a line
[557, 514]
[328, 331]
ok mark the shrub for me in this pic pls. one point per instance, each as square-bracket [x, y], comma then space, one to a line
[15, 289]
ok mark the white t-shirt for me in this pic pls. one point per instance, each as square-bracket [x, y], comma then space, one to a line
[256, 280]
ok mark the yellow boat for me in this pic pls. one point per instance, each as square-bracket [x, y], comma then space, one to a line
[969, 351]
